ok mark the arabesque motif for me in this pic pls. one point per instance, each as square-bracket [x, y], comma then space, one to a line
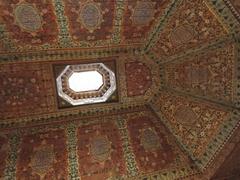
[192, 24]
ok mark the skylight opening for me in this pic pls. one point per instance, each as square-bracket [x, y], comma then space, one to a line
[85, 81]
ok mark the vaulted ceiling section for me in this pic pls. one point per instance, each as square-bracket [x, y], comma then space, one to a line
[177, 99]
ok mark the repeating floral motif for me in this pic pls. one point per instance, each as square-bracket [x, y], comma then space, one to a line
[194, 123]
[139, 17]
[90, 20]
[4, 149]
[25, 89]
[210, 75]
[100, 152]
[27, 21]
[138, 78]
[192, 24]
[43, 156]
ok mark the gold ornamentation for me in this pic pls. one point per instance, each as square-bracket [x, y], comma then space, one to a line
[91, 16]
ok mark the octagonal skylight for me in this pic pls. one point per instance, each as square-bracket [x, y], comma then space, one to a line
[85, 81]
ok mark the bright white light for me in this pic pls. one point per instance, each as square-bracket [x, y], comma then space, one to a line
[85, 81]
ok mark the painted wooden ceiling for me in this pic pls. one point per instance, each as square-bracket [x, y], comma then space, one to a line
[178, 88]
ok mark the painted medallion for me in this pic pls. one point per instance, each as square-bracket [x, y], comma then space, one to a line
[27, 17]
[182, 34]
[143, 13]
[185, 116]
[100, 148]
[91, 16]
[150, 140]
[42, 160]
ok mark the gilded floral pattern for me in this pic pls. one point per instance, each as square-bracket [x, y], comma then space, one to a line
[192, 24]
[193, 122]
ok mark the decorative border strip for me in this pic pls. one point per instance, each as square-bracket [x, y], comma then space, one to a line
[78, 113]
[226, 16]
[185, 172]
[237, 70]
[10, 170]
[120, 4]
[64, 36]
[224, 134]
[234, 11]
[71, 54]
[128, 152]
[6, 42]
[72, 152]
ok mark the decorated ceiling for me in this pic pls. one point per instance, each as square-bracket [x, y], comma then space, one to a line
[173, 111]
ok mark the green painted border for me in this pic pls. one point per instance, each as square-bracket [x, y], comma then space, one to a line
[10, 170]
[127, 150]
[225, 14]
[72, 152]
[64, 35]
